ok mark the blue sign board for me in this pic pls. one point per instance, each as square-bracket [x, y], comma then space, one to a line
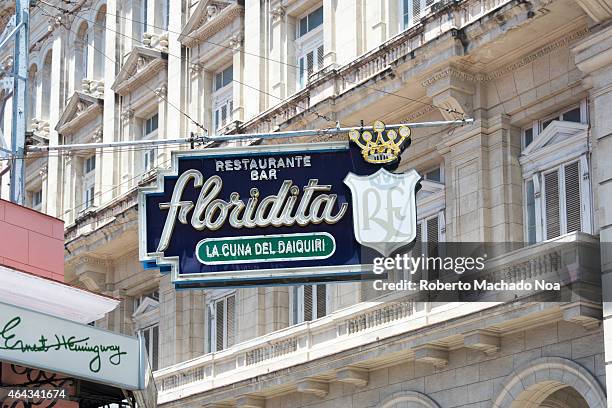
[257, 215]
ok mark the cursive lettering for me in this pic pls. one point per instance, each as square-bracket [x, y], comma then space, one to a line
[9, 341]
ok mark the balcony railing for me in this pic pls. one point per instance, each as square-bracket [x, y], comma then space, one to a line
[368, 322]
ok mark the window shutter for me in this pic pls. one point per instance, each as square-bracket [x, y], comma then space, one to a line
[416, 11]
[209, 338]
[417, 249]
[307, 303]
[155, 347]
[320, 57]
[551, 192]
[310, 62]
[219, 318]
[572, 197]
[432, 245]
[432, 236]
[231, 313]
[321, 301]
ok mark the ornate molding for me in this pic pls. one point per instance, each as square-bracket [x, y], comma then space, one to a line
[466, 76]
[161, 92]
[97, 136]
[127, 115]
[206, 27]
[278, 13]
[235, 41]
[43, 172]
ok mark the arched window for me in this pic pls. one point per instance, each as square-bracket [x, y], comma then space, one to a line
[81, 55]
[46, 86]
[99, 43]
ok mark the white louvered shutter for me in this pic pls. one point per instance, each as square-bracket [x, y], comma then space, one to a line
[321, 301]
[433, 236]
[416, 11]
[307, 303]
[220, 313]
[231, 320]
[572, 197]
[551, 198]
[320, 57]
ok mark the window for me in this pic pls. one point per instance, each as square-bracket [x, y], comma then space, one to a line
[145, 11]
[309, 46]
[224, 78]
[151, 124]
[309, 302]
[151, 339]
[221, 322]
[223, 98]
[149, 159]
[576, 114]
[562, 200]
[427, 240]
[434, 175]
[37, 199]
[89, 179]
[414, 10]
[310, 22]
[151, 295]
[561, 206]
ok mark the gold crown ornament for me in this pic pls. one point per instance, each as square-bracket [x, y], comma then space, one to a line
[383, 148]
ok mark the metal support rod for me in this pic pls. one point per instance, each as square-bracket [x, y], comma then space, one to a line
[12, 33]
[20, 101]
[246, 136]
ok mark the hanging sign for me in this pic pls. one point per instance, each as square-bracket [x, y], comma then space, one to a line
[60, 346]
[273, 214]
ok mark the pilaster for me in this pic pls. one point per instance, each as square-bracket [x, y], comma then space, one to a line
[593, 57]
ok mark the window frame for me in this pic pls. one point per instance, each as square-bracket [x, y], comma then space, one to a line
[211, 317]
[305, 44]
[89, 180]
[306, 16]
[537, 125]
[150, 329]
[222, 97]
[149, 156]
[297, 307]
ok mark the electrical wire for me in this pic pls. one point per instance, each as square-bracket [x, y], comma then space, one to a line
[295, 104]
[75, 12]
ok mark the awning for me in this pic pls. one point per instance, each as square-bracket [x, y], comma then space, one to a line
[55, 298]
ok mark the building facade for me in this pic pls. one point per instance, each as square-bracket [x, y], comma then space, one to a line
[537, 77]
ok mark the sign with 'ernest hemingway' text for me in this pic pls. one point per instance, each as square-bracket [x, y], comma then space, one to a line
[277, 214]
[56, 345]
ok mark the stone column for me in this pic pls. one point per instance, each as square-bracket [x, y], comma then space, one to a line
[43, 176]
[593, 56]
[56, 105]
[110, 131]
[278, 52]
[163, 153]
[100, 157]
[329, 31]
[69, 193]
[238, 74]
[253, 34]
[127, 160]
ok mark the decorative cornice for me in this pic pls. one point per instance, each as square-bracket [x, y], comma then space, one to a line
[195, 33]
[466, 76]
[81, 109]
[139, 68]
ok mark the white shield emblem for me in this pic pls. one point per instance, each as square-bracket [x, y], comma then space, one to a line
[384, 209]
